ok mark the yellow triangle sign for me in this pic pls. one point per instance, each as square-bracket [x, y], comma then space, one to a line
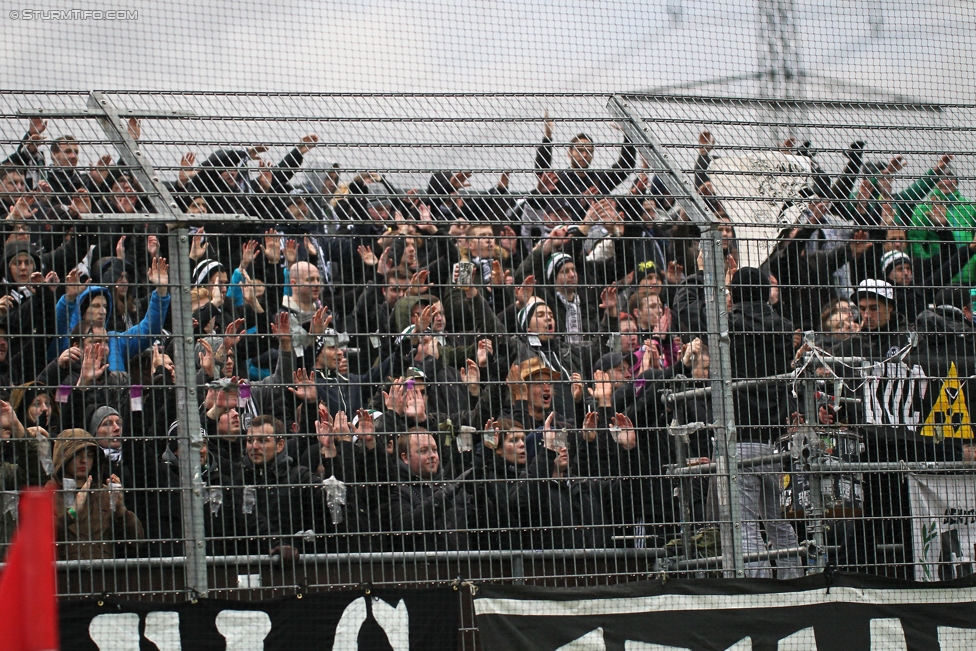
[949, 418]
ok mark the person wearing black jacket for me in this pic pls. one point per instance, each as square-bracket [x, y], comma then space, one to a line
[427, 513]
[504, 461]
[275, 502]
[761, 346]
[580, 179]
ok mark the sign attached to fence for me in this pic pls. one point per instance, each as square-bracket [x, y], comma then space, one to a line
[943, 525]
[340, 621]
[851, 614]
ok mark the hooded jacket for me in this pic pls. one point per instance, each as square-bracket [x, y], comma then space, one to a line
[98, 531]
[961, 217]
[121, 345]
[761, 346]
[31, 315]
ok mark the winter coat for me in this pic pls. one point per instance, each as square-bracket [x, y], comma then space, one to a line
[121, 345]
[98, 531]
[761, 346]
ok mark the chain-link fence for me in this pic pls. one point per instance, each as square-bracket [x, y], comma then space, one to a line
[268, 343]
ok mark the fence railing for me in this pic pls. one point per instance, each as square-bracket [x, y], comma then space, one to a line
[692, 351]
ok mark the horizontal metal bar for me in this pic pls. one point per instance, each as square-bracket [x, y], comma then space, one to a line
[710, 468]
[372, 558]
[671, 398]
[716, 561]
[69, 114]
[177, 218]
[890, 466]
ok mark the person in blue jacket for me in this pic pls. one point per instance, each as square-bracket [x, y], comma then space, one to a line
[93, 306]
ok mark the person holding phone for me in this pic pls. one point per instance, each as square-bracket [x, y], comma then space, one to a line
[91, 520]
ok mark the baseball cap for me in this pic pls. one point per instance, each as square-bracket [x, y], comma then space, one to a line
[535, 366]
[874, 287]
[608, 361]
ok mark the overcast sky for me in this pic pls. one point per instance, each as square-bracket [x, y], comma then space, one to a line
[922, 49]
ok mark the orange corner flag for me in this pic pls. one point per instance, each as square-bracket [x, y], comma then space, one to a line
[28, 584]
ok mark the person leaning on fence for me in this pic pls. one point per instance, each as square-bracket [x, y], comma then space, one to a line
[91, 520]
[273, 493]
[559, 510]
[426, 512]
[761, 346]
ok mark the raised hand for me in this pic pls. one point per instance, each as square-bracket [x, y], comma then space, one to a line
[281, 327]
[395, 397]
[305, 386]
[418, 283]
[524, 291]
[198, 245]
[627, 437]
[120, 248]
[590, 421]
[99, 173]
[152, 246]
[485, 348]
[340, 423]
[134, 128]
[608, 301]
[577, 387]
[92, 364]
[321, 320]
[232, 333]
[81, 203]
[69, 357]
[187, 162]
[308, 142]
[602, 390]
[471, 376]
[547, 126]
[272, 246]
[206, 358]
[159, 275]
[248, 251]
[291, 252]
[367, 256]
[22, 208]
[81, 498]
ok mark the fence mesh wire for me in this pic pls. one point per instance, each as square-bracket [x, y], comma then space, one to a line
[268, 342]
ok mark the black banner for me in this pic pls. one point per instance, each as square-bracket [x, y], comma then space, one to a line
[387, 620]
[842, 613]
[924, 399]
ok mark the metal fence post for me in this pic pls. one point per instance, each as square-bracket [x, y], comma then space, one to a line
[718, 336]
[187, 402]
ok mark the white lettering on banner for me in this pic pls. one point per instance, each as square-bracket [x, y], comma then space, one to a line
[244, 630]
[115, 632]
[957, 639]
[891, 390]
[630, 645]
[802, 640]
[163, 630]
[347, 630]
[395, 622]
[592, 641]
[887, 635]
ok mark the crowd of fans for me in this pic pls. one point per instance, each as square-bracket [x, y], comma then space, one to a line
[432, 368]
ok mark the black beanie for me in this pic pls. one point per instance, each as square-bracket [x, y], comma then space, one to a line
[750, 285]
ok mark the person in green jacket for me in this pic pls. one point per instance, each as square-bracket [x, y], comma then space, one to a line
[875, 203]
[944, 209]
